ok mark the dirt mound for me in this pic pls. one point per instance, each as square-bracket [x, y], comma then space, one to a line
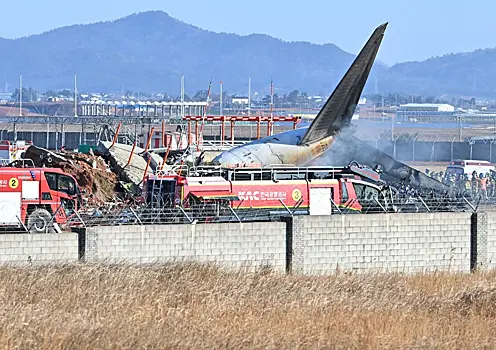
[90, 171]
[99, 183]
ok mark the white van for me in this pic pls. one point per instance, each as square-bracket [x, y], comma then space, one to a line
[467, 167]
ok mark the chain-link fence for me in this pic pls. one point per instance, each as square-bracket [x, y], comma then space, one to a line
[144, 215]
[435, 148]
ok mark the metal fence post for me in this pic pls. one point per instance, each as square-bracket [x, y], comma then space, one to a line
[452, 146]
[491, 151]
[413, 148]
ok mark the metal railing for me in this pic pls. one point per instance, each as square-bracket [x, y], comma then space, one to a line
[217, 145]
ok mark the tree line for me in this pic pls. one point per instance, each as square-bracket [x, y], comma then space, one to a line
[294, 98]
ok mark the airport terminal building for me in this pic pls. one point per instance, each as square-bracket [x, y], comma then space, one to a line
[425, 112]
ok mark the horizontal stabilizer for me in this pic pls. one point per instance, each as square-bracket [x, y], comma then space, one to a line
[339, 108]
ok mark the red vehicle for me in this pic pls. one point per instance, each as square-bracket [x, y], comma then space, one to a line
[317, 189]
[40, 199]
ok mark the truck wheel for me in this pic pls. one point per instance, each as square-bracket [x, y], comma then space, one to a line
[39, 220]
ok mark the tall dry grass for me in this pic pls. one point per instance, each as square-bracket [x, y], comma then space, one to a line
[200, 306]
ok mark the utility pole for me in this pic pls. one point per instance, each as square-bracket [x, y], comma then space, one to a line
[75, 96]
[20, 95]
[270, 126]
[249, 96]
[182, 96]
[221, 101]
[271, 97]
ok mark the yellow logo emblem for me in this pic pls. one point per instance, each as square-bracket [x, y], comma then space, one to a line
[13, 183]
[296, 195]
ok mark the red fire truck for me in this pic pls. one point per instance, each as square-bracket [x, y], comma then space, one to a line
[316, 190]
[38, 199]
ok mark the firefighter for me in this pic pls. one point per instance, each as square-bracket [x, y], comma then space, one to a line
[493, 183]
[482, 185]
[428, 172]
[467, 185]
[490, 185]
[475, 184]
[452, 181]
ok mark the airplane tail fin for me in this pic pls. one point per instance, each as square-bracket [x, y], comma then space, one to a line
[339, 108]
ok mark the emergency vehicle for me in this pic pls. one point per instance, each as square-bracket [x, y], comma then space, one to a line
[10, 152]
[38, 199]
[309, 190]
[467, 167]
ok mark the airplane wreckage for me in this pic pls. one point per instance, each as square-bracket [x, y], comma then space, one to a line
[329, 139]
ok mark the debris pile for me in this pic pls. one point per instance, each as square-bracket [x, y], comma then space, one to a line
[91, 171]
[130, 162]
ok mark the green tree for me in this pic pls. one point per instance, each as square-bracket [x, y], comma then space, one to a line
[294, 96]
[201, 95]
[28, 95]
[66, 93]
[304, 97]
[51, 93]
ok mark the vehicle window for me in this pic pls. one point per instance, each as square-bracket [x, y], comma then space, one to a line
[66, 184]
[266, 175]
[364, 192]
[289, 176]
[318, 175]
[51, 180]
[242, 177]
[344, 192]
[282, 176]
[455, 171]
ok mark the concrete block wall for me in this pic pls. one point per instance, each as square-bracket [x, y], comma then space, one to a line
[48, 248]
[491, 240]
[382, 242]
[232, 245]
[306, 244]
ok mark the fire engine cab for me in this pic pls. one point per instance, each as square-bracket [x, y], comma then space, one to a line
[38, 199]
[309, 190]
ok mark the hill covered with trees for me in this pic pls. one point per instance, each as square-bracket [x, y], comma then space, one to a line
[150, 51]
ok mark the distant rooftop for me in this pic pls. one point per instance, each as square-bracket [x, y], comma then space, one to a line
[426, 105]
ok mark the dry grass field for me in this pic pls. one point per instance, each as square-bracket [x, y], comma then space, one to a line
[200, 306]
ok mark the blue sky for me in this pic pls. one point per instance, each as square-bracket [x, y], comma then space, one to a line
[418, 29]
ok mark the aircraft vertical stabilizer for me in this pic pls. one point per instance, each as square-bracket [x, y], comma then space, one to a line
[339, 108]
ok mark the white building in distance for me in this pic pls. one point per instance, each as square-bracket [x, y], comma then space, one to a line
[240, 100]
[424, 112]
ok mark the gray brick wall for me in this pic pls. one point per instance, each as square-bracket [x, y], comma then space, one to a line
[491, 240]
[231, 245]
[383, 242]
[52, 248]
